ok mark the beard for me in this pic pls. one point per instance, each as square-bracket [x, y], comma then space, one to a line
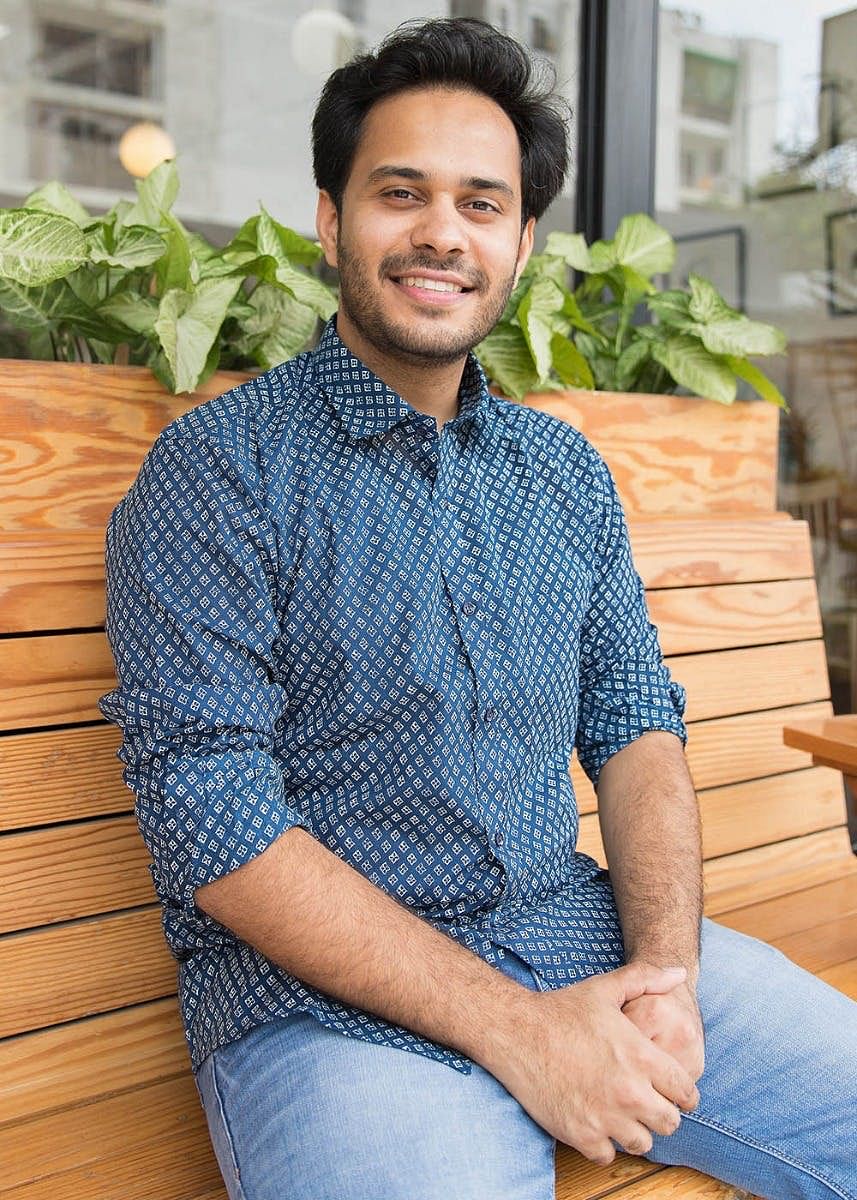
[416, 343]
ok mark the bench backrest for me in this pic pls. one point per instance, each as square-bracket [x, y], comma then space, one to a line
[86, 1012]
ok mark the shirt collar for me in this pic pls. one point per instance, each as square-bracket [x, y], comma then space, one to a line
[367, 406]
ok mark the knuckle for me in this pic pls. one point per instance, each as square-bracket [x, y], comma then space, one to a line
[640, 1145]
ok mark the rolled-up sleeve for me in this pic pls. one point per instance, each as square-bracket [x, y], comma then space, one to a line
[191, 575]
[625, 688]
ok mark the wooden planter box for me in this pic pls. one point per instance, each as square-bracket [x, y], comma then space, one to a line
[669, 454]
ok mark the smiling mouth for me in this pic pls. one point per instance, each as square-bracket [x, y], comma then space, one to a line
[431, 285]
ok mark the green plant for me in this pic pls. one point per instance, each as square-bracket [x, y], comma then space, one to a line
[134, 286]
[552, 336]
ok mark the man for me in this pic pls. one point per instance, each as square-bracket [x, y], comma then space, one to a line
[362, 612]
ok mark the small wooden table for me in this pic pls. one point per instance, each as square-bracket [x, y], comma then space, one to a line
[832, 742]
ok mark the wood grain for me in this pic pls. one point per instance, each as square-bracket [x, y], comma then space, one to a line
[743, 816]
[678, 1183]
[695, 551]
[843, 977]
[691, 620]
[738, 681]
[579, 1179]
[753, 875]
[75, 435]
[60, 775]
[89, 966]
[53, 679]
[72, 871]
[50, 1069]
[730, 750]
[671, 454]
[796, 912]
[51, 580]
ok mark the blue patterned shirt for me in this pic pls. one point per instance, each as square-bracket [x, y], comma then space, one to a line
[324, 613]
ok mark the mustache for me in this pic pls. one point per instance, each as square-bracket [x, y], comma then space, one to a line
[398, 265]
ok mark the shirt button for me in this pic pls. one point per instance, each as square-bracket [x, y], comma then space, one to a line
[468, 608]
[489, 714]
[498, 839]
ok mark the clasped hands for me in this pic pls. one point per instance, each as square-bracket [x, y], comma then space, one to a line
[611, 1060]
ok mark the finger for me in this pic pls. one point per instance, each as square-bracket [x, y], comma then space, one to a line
[633, 1137]
[597, 1150]
[672, 1080]
[640, 979]
[659, 1115]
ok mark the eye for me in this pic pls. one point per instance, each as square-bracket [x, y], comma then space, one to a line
[483, 206]
[400, 193]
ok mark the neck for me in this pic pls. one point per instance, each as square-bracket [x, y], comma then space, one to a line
[429, 387]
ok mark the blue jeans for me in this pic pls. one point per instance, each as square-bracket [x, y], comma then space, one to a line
[301, 1112]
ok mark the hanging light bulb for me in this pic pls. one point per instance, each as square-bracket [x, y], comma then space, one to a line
[143, 147]
[321, 41]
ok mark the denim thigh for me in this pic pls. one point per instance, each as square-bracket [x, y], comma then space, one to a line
[778, 1098]
[298, 1111]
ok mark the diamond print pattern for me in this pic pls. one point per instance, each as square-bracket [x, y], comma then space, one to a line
[324, 614]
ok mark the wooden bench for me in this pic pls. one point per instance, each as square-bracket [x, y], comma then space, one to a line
[96, 1097]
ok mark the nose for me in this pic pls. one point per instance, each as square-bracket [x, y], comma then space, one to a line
[440, 227]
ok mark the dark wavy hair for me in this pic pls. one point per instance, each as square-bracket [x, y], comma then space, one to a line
[456, 53]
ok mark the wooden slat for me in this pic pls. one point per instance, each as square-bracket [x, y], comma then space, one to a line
[693, 552]
[691, 620]
[755, 875]
[797, 911]
[822, 946]
[60, 1142]
[756, 813]
[72, 871]
[177, 1166]
[843, 977]
[668, 456]
[678, 1183]
[738, 681]
[732, 749]
[53, 1068]
[729, 750]
[51, 580]
[90, 966]
[579, 1179]
[53, 680]
[60, 775]
[74, 436]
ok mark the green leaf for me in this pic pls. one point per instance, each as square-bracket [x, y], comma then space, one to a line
[136, 313]
[306, 289]
[36, 247]
[634, 285]
[173, 268]
[672, 308]
[629, 363]
[506, 358]
[757, 380]
[31, 309]
[571, 247]
[284, 244]
[276, 328]
[156, 195]
[572, 312]
[692, 366]
[537, 318]
[644, 245]
[188, 324]
[133, 246]
[740, 336]
[569, 363]
[705, 303]
[53, 197]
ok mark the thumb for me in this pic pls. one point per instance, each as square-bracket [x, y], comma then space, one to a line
[640, 979]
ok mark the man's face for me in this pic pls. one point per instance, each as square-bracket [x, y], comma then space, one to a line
[428, 242]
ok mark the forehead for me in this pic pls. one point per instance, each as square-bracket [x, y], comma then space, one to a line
[439, 131]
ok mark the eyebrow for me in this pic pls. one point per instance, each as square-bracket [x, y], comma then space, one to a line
[478, 182]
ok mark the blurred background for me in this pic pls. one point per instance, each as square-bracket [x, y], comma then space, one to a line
[734, 124]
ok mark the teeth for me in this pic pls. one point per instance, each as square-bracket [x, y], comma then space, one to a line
[431, 285]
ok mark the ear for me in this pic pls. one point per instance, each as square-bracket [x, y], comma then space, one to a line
[327, 226]
[526, 247]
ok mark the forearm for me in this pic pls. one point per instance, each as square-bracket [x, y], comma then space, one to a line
[324, 922]
[650, 826]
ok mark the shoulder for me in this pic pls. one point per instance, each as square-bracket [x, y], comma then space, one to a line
[555, 446]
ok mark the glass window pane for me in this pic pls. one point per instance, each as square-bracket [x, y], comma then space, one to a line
[756, 177]
[234, 85]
